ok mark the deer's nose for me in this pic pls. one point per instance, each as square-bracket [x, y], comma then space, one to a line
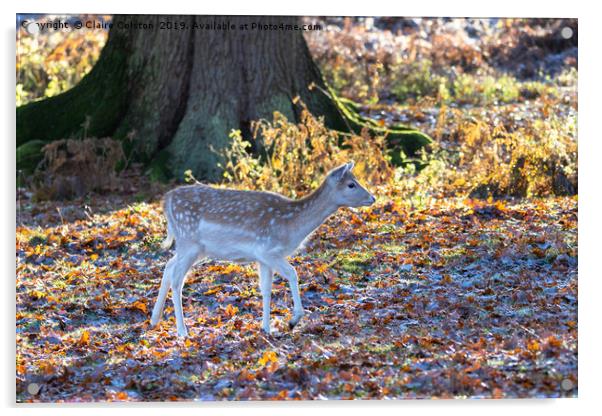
[372, 199]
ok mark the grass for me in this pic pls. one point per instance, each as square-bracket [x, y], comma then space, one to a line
[353, 262]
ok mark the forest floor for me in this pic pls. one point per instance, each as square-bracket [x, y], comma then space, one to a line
[466, 298]
[439, 290]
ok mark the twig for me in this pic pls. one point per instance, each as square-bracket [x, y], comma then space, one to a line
[58, 209]
[530, 331]
[322, 349]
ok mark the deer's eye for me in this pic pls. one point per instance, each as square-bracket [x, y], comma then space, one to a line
[351, 185]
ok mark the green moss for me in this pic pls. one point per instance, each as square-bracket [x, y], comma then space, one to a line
[354, 262]
[29, 155]
[201, 154]
[394, 248]
[380, 348]
[402, 140]
[158, 169]
[280, 103]
[100, 97]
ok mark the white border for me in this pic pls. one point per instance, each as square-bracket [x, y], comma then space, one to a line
[590, 152]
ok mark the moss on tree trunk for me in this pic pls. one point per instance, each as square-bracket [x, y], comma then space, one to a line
[101, 96]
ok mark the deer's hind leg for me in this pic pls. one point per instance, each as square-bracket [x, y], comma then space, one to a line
[165, 285]
[186, 258]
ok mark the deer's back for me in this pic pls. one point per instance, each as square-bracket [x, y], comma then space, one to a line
[228, 222]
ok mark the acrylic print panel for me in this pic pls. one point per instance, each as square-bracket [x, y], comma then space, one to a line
[419, 239]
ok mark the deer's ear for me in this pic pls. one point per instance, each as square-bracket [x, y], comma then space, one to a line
[338, 173]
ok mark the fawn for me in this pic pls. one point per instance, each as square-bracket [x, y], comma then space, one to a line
[248, 226]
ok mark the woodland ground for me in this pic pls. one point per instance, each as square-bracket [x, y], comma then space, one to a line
[461, 281]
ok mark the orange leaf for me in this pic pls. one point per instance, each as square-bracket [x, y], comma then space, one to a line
[47, 368]
[498, 393]
[368, 306]
[37, 294]
[213, 290]
[122, 395]
[141, 306]
[533, 346]
[231, 310]
[282, 395]
[552, 341]
[232, 268]
[322, 268]
[245, 375]
[539, 252]
[268, 356]
[345, 375]
[84, 340]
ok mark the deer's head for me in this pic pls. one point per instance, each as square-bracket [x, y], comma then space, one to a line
[346, 190]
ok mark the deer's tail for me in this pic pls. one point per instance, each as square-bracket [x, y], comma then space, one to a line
[168, 242]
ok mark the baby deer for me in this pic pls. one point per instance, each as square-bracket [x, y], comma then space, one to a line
[248, 226]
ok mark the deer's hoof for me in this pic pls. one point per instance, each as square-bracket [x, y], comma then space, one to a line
[156, 317]
[182, 333]
[293, 323]
[295, 320]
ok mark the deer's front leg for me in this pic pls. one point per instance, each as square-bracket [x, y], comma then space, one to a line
[185, 259]
[265, 285]
[284, 268]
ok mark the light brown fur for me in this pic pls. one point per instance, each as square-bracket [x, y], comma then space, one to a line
[248, 226]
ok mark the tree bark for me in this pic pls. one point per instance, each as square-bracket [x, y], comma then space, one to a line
[179, 90]
[241, 76]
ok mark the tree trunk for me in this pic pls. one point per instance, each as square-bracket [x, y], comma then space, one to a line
[242, 76]
[178, 89]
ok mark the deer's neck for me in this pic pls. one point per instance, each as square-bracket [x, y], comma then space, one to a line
[313, 210]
